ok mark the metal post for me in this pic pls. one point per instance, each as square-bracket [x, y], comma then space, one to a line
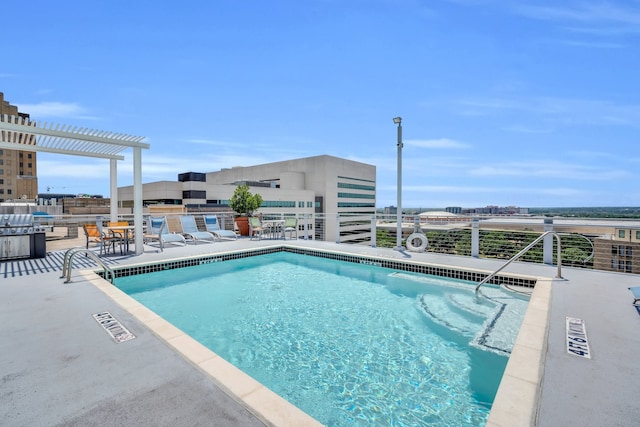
[398, 121]
[475, 237]
[373, 231]
[547, 243]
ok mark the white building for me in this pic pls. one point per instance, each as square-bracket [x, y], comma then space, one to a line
[324, 186]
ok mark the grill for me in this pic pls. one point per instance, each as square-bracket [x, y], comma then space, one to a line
[20, 237]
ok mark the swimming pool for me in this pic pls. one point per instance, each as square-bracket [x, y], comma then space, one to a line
[349, 344]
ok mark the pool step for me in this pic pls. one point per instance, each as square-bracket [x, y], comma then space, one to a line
[441, 311]
[490, 324]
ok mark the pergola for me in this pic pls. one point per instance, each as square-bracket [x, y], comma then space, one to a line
[21, 133]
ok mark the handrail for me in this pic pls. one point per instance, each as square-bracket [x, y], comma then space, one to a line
[522, 252]
[67, 265]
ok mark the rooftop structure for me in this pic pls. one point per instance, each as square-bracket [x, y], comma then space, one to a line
[320, 184]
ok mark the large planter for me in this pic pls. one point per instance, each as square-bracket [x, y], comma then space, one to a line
[243, 225]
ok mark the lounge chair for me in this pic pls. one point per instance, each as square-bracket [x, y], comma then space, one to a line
[190, 230]
[635, 290]
[158, 230]
[255, 228]
[213, 227]
[291, 226]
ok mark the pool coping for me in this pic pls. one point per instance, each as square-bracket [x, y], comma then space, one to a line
[522, 377]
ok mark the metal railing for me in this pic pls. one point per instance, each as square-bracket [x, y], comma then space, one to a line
[484, 237]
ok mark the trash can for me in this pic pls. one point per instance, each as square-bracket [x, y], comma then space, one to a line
[38, 245]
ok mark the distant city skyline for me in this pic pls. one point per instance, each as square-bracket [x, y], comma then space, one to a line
[532, 104]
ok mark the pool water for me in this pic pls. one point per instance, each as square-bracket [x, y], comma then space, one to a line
[349, 344]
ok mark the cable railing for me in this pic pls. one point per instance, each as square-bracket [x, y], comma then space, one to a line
[594, 244]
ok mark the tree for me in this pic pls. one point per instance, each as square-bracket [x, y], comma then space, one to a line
[243, 202]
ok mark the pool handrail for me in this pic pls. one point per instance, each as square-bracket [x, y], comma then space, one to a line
[67, 264]
[522, 252]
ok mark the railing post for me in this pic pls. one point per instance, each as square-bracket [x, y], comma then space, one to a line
[475, 237]
[305, 218]
[547, 243]
[373, 231]
[337, 228]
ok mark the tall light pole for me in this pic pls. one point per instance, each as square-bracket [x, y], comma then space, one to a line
[398, 121]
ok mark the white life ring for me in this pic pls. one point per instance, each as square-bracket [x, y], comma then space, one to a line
[423, 242]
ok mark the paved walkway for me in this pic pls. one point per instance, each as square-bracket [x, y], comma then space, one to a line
[60, 368]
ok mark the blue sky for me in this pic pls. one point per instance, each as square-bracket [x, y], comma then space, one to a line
[527, 103]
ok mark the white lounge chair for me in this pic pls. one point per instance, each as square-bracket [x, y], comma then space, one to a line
[190, 230]
[158, 230]
[213, 227]
[635, 290]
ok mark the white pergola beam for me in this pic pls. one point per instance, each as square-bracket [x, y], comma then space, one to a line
[19, 133]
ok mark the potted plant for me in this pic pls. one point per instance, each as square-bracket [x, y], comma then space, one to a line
[244, 204]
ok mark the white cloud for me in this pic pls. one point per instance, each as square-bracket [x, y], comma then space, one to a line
[55, 109]
[585, 12]
[552, 169]
[567, 111]
[436, 143]
[212, 142]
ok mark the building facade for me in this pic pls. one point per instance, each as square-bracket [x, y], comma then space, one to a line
[327, 187]
[620, 252]
[18, 177]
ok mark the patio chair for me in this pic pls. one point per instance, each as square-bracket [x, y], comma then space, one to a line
[213, 227]
[190, 230]
[94, 234]
[255, 228]
[291, 226]
[158, 230]
[124, 235]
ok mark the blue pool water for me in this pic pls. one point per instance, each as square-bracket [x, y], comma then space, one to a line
[349, 344]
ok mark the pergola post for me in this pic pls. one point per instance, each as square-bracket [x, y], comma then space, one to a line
[137, 200]
[113, 189]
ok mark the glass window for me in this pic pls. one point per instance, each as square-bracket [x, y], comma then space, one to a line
[637, 234]
[356, 196]
[621, 234]
[355, 205]
[356, 186]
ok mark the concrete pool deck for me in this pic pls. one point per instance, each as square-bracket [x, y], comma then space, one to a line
[60, 367]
